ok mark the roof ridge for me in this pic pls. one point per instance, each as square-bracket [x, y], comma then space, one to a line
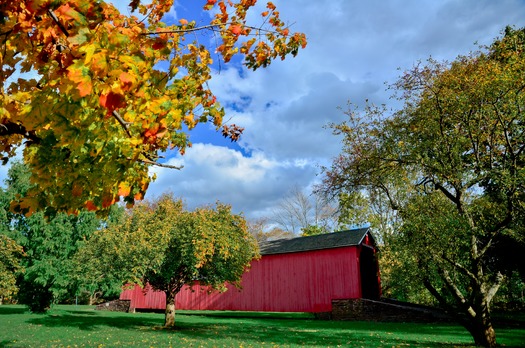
[331, 240]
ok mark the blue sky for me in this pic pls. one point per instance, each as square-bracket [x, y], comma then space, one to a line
[354, 49]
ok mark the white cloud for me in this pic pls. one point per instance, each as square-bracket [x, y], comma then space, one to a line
[211, 173]
[354, 47]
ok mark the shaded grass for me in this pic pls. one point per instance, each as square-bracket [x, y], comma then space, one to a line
[81, 326]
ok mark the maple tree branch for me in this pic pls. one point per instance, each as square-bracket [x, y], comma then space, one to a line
[163, 165]
[204, 27]
[148, 159]
[123, 123]
[11, 128]
[55, 19]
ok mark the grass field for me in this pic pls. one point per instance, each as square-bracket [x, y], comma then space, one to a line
[81, 326]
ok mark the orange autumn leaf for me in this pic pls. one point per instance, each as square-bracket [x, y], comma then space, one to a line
[124, 189]
[112, 101]
[90, 61]
[126, 80]
[235, 29]
[80, 76]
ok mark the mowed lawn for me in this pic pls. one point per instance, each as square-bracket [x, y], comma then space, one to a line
[82, 326]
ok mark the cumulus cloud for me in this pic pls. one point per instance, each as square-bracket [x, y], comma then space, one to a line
[354, 48]
[216, 173]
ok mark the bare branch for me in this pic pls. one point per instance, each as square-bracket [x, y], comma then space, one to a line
[163, 165]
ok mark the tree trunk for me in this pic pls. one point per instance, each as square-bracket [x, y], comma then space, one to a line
[169, 319]
[482, 330]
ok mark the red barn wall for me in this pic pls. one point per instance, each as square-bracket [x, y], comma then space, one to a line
[292, 282]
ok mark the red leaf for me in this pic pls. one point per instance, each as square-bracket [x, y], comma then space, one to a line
[235, 29]
[91, 206]
[112, 101]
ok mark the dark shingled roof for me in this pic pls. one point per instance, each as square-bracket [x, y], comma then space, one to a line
[318, 242]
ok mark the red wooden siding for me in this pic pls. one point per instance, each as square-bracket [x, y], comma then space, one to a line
[293, 282]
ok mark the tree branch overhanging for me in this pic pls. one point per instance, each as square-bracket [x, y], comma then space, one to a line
[11, 128]
[204, 27]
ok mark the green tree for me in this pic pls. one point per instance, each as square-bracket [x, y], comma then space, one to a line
[93, 95]
[49, 245]
[160, 244]
[97, 267]
[122, 252]
[456, 149]
[206, 246]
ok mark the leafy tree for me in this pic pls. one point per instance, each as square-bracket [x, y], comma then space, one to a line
[456, 149]
[102, 93]
[123, 251]
[98, 266]
[206, 246]
[10, 255]
[48, 244]
[161, 245]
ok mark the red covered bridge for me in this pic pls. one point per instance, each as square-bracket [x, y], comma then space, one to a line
[301, 274]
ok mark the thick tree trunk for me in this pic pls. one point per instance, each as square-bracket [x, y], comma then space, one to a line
[483, 332]
[169, 319]
[476, 319]
[481, 329]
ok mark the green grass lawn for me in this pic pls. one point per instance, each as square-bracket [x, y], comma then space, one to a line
[81, 326]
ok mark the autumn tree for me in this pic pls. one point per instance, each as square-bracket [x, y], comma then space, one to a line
[160, 244]
[10, 264]
[121, 253]
[92, 95]
[457, 150]
[206, 247]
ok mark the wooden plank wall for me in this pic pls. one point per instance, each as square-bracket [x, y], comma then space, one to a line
[294, 282]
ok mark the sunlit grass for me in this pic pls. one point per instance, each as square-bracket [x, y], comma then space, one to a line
[81, 326]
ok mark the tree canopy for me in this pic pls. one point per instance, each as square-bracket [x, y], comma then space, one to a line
[161, 245]
[452, 163]
[93, 95]
[48, 246]
[207, 246]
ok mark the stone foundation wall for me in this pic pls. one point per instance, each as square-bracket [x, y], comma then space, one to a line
[369, 310]
[114, 306]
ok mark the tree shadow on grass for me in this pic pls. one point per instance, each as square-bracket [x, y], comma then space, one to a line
[5, 343]
[297, 334]
[90, 322]
[80, 312]
[230, 331]
[5, 310]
